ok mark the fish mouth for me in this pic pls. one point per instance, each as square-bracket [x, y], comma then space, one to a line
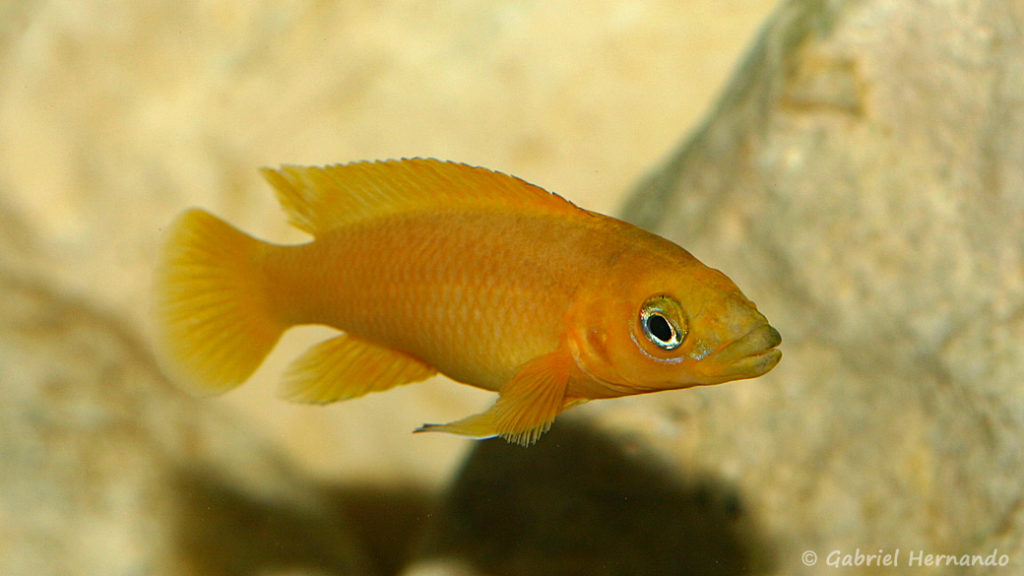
[752, 354]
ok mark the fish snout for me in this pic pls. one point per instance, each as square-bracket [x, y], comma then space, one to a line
[753, 354]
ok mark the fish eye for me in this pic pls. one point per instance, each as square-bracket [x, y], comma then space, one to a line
[663, 322]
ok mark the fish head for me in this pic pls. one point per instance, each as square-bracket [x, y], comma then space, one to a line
[663, 328]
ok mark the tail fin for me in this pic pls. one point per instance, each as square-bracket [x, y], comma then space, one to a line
[213, 317]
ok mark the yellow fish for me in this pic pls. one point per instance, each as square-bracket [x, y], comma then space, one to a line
[427, 266]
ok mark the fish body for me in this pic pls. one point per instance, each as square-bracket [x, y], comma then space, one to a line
[427, 266]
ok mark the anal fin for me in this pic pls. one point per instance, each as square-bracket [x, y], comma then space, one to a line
[346, 367]
[526, 406]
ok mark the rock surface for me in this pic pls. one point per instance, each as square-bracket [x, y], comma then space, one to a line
[863, 181]
[107, 469]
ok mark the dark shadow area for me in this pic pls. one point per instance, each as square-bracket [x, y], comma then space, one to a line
[387, 521]
[578, 503]
[362, 530]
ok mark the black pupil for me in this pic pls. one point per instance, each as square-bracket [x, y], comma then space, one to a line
[659, 327]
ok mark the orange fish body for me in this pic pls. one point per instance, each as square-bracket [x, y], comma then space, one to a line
[427, 266]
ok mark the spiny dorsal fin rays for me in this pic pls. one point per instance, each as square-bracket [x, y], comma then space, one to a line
[320, 199]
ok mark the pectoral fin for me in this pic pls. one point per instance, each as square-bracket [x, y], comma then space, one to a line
[346, 367]
[526, 406]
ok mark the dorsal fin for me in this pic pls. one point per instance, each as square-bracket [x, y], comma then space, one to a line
[320, 199]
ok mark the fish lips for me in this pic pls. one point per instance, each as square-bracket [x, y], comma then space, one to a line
[752, 354]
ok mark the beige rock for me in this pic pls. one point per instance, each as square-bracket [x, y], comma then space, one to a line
[106, 469]
[863, 181]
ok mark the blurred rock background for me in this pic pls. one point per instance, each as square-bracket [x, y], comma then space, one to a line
[861, 178]
[114, 116]
[864, 176]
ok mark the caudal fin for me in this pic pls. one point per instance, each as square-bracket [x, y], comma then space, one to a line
[214, 323]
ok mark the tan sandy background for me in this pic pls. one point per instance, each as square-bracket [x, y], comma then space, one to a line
[116, 115]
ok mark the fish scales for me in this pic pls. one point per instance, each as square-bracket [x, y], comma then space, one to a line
[437, 285]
